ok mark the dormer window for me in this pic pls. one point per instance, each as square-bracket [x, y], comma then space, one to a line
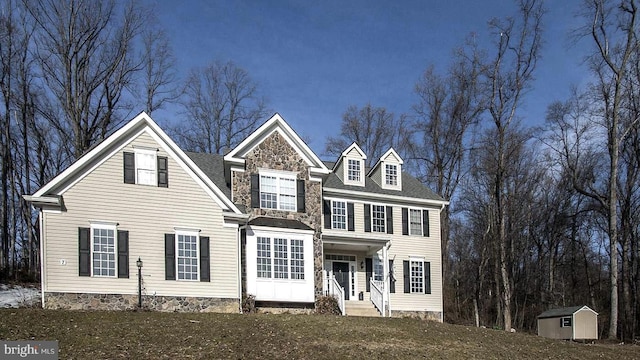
[388, 171]
[354, 170]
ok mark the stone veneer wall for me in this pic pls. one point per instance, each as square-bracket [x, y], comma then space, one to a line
[276, 154]
[83, 301]
[425, 315]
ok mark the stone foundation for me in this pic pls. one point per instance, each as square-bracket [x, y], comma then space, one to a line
[424, 315]
[83, 301]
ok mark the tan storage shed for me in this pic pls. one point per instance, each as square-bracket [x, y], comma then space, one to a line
[570, 323]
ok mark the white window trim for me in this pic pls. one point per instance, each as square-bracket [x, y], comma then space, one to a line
[384, 207]
[146, 151]
[383, 174]
[108, 226]
[346, 215]
[421, 261]
[421, 221]
[272, 250]
[280, 175]
[188, 233]
[346, 172]
[566, 317]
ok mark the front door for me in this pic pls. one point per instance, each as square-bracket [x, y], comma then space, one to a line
[341, 272]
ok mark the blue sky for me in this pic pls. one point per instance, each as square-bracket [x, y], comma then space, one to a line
[312, 60]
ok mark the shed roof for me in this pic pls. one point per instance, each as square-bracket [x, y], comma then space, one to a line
[279, 223]
[566, 311]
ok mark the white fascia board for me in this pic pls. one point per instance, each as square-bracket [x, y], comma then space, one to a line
[271, 230]
[91, 154]
[375, 197]
[43, 200]
[358, 149]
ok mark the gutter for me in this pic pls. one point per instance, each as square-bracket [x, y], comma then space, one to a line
[40, 201]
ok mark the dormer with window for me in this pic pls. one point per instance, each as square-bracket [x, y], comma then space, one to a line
[350, 166]
[387, 172]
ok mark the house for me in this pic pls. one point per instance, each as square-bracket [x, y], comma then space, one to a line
[570, 323]
[269, 219]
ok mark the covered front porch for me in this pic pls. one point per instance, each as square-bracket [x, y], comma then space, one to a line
[357, 271]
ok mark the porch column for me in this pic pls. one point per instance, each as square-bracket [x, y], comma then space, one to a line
[385, 280]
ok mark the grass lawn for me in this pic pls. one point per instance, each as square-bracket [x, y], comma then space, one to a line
[154, 335]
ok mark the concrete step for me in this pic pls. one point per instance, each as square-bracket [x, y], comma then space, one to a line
[361, 308]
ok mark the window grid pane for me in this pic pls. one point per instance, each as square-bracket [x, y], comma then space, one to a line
[391, 174]
[353, 170]
[104, 252]
[187, 257]
[378, 218]
[264, 257]
[297, 259]
[287, 194]
[339, 215]
[268, 192]
[417, 277]
[415, 222]
[280, 259]
[378, 271]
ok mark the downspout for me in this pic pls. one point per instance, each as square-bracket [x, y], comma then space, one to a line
[42, 259]
[238, 232]
[388, 285]
[441, 280]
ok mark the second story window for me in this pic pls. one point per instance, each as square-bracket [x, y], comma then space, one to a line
[277, 192]
[378, 218]
[354, 170]
[391, 175]
[339, 215]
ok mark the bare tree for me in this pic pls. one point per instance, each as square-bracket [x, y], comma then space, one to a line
[160, 80]
[222, 106]
[448, 107]
[508, 75]
[85, 53]
[374, 129]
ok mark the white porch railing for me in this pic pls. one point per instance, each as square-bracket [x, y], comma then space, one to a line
[377, 295]
[331, 287]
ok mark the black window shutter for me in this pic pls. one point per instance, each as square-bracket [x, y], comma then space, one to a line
[129, 168]
[204, 259]
[367, 217]
[326, 207]
[427, 277]
[425, 223]
[561, 323]
[255, 190]
[351, 223]
[407, 279]
[169, 256]
[392, 278]
[369, 270]
[163, 172]
[123, 254]
[84, 251]
[300, 195]
[405, 221]
[389, 213]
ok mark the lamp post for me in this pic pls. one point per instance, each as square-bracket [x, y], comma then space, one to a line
[139, 265]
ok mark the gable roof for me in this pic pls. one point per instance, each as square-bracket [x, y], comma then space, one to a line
[353, 147]
[384, 157]
[277, 124]
[566, 311]
[114, 143]
[412, 188]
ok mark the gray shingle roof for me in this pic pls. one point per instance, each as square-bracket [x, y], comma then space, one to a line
[566, 311]
[411, 187]
[213, 166]
[279, 223]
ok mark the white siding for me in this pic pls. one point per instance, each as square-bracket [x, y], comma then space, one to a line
[147, 212]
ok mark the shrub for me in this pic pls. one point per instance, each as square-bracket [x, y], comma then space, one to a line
[327, 305]
[248, 304]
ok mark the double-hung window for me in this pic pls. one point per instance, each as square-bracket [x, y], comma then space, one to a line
[338, 215]
[187, 245]
[391, 174]
[278, 192]
[146, 167]
[378, 270]
[378, 218]
[416, 276]
[104, 250]
[280, 258]
[415, 222]
[354, 171]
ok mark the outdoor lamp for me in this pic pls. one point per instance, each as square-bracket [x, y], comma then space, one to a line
[139, 263]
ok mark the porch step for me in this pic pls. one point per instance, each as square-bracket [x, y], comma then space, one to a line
[361, 308]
